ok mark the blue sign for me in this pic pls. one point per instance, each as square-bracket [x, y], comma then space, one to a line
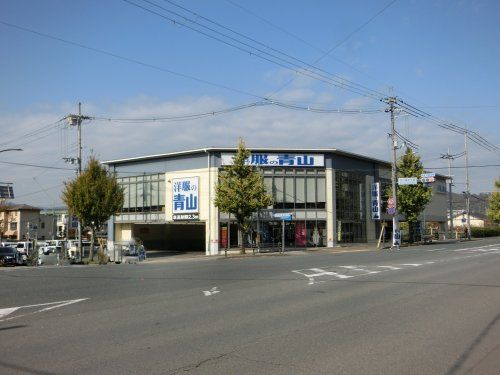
[283, 216]
[375, 199]
[185, 195]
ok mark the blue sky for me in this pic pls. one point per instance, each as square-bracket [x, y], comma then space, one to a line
[440, 56]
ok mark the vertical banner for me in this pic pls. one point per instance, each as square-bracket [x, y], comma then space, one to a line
[375, 200]
[185, 195]
[223, 236]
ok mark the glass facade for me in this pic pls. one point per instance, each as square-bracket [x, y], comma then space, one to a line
[296, 188]
[299, 191]
[145, 193]
[351, 206]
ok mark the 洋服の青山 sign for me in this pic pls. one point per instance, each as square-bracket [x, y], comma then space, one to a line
[279, 160]
[375, 200]
[185, 198]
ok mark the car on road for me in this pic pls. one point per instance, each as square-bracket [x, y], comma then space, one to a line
[9, 256]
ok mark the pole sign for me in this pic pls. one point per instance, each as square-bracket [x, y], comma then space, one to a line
[428, 179]
[375, 199]
[396, 238]
[425, 175]
[407, 181]
[283, 216]
[185, 201]
[6, 191]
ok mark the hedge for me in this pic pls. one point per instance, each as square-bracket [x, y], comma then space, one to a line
[485, 232]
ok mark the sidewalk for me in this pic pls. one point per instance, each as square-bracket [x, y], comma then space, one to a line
[163, 256]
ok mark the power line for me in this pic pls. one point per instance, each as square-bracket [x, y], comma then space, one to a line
[470, 166]
[128, 59]
[39, 191]
[274, 49]
[195, 116]
[309, 70]
[36, 166]
[34, 133]
[258, 52]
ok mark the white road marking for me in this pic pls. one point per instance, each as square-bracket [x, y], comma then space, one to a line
[211, 292]
[51, 306]
[412, 264]
[7, 311]
[390, 267]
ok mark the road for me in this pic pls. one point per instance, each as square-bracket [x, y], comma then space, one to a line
[421, 310]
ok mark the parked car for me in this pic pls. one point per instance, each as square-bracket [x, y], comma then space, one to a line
[9, 256]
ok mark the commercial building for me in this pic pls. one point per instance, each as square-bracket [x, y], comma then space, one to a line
[326, 195]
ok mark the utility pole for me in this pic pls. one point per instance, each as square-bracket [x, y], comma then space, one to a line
[76, 120]
[396, 234]
[467, 185]
[450, 158]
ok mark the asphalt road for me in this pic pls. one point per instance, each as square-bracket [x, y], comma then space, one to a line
[423, 310]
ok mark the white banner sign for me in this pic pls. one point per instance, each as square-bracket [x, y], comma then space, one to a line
[279, 160]
[407, 181]
[185, 195]
[375, 199]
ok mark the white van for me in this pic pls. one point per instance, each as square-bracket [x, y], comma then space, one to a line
[25, 247]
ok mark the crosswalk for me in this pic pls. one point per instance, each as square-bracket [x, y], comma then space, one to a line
[341, 272]
[492, 248]
[318, 275]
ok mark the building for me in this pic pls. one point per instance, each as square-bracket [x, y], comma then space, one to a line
[21, 222]
[326, 192]
[65, 225]
[476, 220]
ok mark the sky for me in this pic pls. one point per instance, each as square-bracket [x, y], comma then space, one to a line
[141, 59]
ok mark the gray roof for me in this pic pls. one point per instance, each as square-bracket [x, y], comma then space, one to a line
[253, 149]
[21, 207]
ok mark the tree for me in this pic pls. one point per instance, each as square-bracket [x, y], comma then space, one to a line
[412, 199]
[494, 204]
[241, 191]
[93, 197]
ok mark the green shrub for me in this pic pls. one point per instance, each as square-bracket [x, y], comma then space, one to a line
[485, 232]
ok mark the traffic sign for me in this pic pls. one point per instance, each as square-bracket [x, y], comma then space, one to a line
[390, 202]
[283, 216]
[407, 181]
[391, 210]
[428, 179]
[431, 174]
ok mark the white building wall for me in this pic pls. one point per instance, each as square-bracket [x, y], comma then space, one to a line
[208, 213]
[330, 206]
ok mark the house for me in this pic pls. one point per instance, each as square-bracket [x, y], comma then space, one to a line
[476, 219]
[21, 222]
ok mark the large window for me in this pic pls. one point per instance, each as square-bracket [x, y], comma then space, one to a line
[143, 193]
[296, 188]
[351, 206]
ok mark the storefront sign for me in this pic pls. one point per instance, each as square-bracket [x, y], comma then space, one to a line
[185, 195]
[279, 160]
[375, 199]
[185, 217]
